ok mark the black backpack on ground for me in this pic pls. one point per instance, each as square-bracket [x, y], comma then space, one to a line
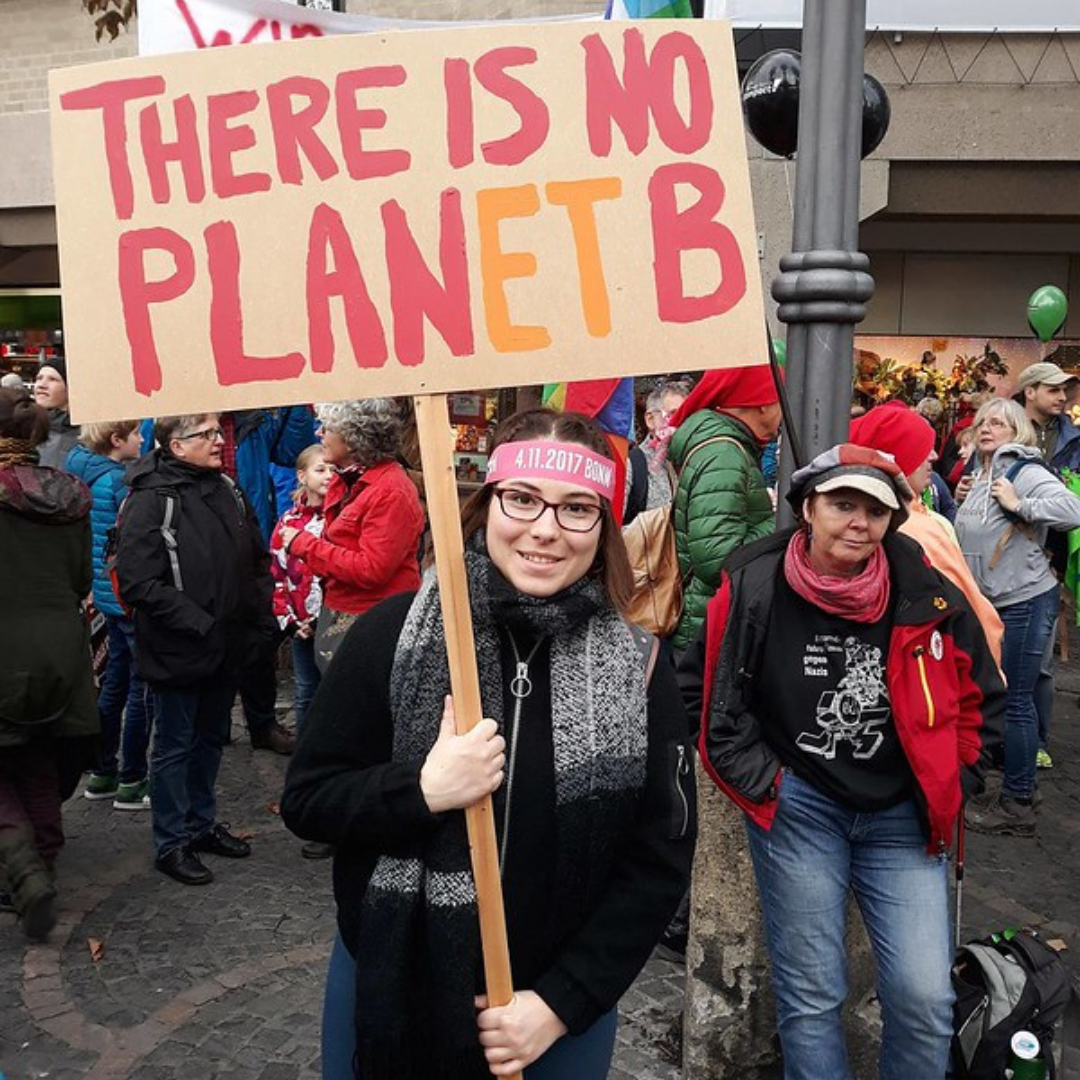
[1006, 983]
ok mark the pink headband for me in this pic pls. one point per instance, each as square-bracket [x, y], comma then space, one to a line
[545, 459]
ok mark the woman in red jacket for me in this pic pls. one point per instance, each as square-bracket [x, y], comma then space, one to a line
[848, 703]
[368, 549]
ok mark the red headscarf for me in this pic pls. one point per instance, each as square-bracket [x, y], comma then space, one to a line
[730, 388]
[896, 429]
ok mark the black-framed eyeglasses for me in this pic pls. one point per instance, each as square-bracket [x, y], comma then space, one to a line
[581, 517]
[209, 434]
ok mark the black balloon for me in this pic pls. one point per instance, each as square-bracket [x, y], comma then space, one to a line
[770, 96]
[876, 112]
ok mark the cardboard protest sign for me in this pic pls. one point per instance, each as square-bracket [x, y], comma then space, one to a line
[402, 213]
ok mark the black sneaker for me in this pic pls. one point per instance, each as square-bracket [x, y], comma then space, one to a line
[182, 865]
[219, 841]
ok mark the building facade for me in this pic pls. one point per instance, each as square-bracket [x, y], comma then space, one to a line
[969, 204]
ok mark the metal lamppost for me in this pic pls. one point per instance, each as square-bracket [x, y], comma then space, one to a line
[825, 283]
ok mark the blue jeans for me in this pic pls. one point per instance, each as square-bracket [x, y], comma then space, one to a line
[306, 674]
[574, 1057]
[1028, 625]
[126, 706]
[816, 852]
[191, 726]
[1044, 689]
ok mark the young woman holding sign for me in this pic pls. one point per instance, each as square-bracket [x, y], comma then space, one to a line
[586, 755]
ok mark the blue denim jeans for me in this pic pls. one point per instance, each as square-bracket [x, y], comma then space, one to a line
[191, 726]
[816, 853]
[574, 1057]
[126, 706]
[1044, 689]
[306, 675]
[1028, 625]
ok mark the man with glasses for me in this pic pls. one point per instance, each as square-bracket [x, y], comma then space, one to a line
[192, 564]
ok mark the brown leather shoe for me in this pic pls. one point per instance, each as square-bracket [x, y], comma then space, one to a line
[276, 739]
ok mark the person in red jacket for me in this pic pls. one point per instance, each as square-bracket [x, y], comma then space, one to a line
[370, 544]
[848, 703]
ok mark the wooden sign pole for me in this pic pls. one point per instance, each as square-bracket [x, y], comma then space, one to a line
[437, 459]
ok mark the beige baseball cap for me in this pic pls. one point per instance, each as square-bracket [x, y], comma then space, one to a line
[1042, 372]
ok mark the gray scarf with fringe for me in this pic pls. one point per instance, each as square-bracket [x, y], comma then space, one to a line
[418, 947]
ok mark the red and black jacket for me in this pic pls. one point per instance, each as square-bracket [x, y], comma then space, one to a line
[947, 696]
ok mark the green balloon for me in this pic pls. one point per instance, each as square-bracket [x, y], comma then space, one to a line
[1046, 311]
[780, 349]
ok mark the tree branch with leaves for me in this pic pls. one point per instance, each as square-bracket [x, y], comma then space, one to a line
[111, 16]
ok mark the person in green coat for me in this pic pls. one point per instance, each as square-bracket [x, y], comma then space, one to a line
[46, 680]
[721, 502]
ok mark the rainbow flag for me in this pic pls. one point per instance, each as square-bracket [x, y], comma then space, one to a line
[648, 9]
[609, 401]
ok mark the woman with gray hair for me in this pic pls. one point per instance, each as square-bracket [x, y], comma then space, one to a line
[1013, 501]
[368, 549]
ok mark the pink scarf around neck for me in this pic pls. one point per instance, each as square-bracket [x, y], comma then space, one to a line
[862, 598]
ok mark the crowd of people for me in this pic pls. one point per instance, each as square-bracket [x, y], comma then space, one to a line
[852, 682]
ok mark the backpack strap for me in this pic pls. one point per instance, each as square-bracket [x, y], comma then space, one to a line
[999, 547]
[648, 647]
[709, 442]
[234, 488]
[168, 534]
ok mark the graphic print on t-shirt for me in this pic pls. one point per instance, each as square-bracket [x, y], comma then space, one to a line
[857, 709]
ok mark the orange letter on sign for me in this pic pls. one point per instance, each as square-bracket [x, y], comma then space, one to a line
[137, 294]
[693, 229]
[498, 266]
[578, 197]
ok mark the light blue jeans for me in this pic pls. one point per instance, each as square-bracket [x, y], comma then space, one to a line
[574, 1057]
[816, 852]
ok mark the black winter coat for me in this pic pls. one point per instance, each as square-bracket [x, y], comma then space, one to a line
[222, 612]
[343, 788]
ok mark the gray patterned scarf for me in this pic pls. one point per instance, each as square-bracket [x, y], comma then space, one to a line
[418, 946]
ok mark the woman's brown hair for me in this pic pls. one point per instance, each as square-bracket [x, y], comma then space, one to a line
[21, 418]
[611, 565]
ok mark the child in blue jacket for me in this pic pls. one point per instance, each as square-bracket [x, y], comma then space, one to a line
[99, 459]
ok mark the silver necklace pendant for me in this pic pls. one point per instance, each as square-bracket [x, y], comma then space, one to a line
[521, 684]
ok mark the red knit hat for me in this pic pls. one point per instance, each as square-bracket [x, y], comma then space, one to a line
[730, 388]
[895, 429]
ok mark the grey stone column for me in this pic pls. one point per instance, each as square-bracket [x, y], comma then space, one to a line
[729, 1023]
[824, 283]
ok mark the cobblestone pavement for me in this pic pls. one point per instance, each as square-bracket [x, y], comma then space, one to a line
[224, 982]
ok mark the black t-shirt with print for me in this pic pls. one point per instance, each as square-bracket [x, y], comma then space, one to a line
[823, 704]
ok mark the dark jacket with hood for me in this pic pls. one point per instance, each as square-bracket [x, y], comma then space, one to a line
[207, 623]
[63, 435]
[946, 695]
[46, 680]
